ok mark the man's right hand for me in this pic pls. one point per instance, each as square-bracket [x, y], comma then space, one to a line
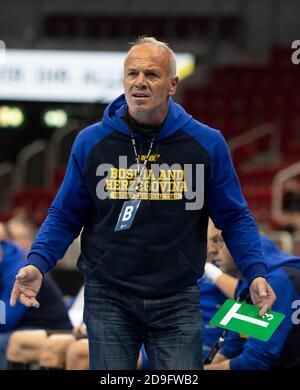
[26, 287]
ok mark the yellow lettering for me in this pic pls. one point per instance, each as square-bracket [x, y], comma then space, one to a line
[165, 186]
[177, 186]
[110, 185]
[178, 174]
[113, 173]
[123, 185]
[162, 175]
[122, 173]
[130, 174]
[154, 186]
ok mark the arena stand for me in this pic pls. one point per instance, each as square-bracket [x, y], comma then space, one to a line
[255, 106]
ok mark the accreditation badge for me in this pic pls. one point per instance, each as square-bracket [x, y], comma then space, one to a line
[127, 214]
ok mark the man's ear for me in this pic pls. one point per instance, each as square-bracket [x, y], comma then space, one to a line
[174, 85]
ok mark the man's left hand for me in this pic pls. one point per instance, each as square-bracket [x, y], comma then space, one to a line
[262, 294]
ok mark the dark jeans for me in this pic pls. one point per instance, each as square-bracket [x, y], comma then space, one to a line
[119, 322]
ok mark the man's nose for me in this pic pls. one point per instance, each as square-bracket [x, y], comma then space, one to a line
[140, 80]
[212, 247]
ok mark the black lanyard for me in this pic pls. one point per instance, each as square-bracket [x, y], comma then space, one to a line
[220, 342]
[140, 173]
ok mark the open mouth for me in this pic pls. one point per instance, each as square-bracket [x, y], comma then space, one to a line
[140, 95]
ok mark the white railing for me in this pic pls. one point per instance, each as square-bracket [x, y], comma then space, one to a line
[255, 134]
[57, 139]
[6, 180]
[24, 157]
[296, 244]
[277, 188]
[60, 134]
[284, 239]
[6, 168]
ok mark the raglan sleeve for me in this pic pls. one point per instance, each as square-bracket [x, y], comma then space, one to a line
[228, 209]
[257, 354]
[66, 216]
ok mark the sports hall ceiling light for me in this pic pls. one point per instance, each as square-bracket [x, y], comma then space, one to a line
[55, 118]
[11, 116]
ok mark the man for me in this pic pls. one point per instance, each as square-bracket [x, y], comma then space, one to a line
[49, 349]
[282, 350]
[52, 314]
[141, 258]
[211, 299]
[22, 231]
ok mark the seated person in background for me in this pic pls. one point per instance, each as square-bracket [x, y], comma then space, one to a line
[212, 299]
[52, 313]
[65, 351]
[3, 232]
[290, 216]
[29, 346]
[291, 197]
[215, 286]
[77, 355]
[22, 231]
[49, 349]
[282, 349]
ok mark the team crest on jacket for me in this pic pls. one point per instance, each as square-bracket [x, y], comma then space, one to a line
[157, 182]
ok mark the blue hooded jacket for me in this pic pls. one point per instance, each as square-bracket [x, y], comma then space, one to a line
[165, 248]
[282, 350]
[211, 299]
[52, 313]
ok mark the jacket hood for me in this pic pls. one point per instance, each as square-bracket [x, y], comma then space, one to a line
[275, 257]
[176, 119]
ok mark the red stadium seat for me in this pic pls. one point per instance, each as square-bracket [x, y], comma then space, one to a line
[35, 202]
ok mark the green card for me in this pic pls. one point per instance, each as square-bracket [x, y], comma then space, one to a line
[243, 318]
